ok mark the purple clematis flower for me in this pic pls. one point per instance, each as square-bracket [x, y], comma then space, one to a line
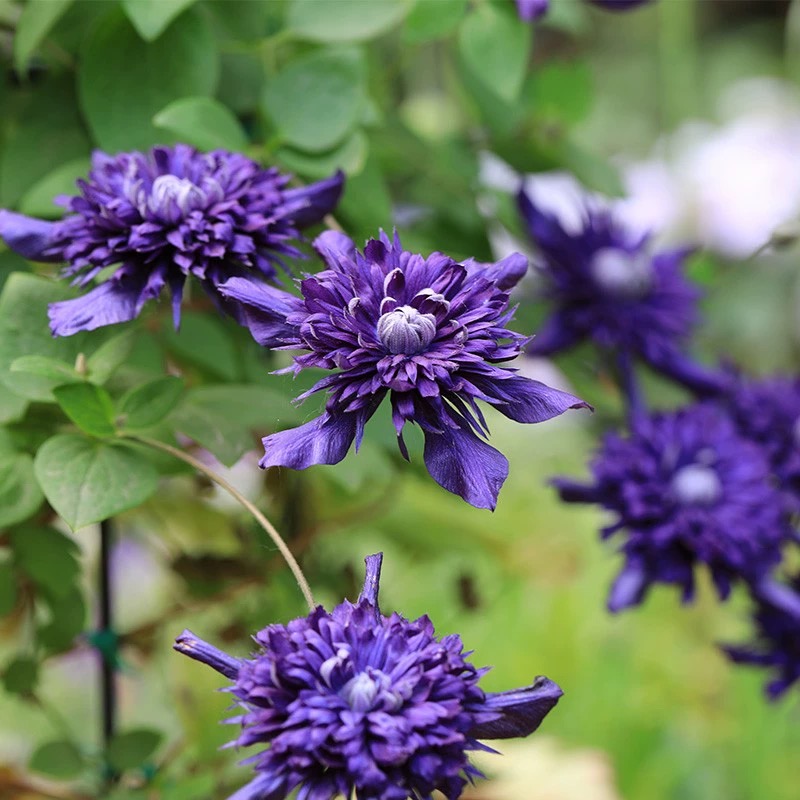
[530, 10]
[429, 333]
[767, 411]
[160, 217]
[606, 286]
[777, 643]
[684, 488]
[355, 703]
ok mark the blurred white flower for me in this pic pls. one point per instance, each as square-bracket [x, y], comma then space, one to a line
[726, 185]
[543, 769]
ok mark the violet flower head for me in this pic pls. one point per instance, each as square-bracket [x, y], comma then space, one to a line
[530, 10]
[776, 646]
[606, 286]
[767, 411]
[353, 701]
[428, 332]
[685, 488]
[160, 217]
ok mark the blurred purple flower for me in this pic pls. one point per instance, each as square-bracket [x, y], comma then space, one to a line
[162, 216]
[530, 10]
[767, 411]
[607, 287]
[356, 702]
[686, 488]
[427, 332]
[777, 643]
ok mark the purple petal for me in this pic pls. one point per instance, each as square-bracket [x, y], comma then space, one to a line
[264, 787]
[779, 596]
[334, 247]
[553, 337]
[628, 589]
[520, 711]
[324, 440]
[574, 492]
[465, 465]
[544, 228]
[372, 579]
[527, 400]
[702, 381]
[316, 200]
[29, 237]
[530, 10]
[506, 273]
[264, 309]
[188, 644]
[112, 302]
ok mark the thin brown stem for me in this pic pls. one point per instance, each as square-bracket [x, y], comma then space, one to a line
[245, 503]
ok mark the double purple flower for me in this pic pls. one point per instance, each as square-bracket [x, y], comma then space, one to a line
[355, 703]
[606, 286]
[429, 333]
[158, 218]
[685, 488]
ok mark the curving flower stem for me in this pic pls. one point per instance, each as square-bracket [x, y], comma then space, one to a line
[630, 386]
[244, 502]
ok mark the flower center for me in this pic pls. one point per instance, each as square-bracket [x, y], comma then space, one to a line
[171, 193]
[622, 274]
[405, 330]
[696, 485]
[361, 691]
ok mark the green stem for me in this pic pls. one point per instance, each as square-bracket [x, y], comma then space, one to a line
[679, 73]
[245, 503]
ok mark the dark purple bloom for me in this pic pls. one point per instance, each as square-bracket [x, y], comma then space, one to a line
[356, 702]
[427, 332]
[605, 285]
[767, 411]
[161, 216]
[777, 643]
[684, 487]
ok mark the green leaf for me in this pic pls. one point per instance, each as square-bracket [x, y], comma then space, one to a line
[51, 368]
[147, 405]
[34, 143]
[123, 81]
[67, 611]
[20, 496]
[36, 20]
[562, 91]
[203, 122]
[204, 341]
[495, 45]
[12, 406]
[349, 156]
[222, 418]
[90, 407]
[60, 759]
[24, 331]
[87, 480]
[131, 749]
[366, 201]
[48, 557]
[8, 588]
[433, 19]
[344, 20]
[38, 201]
[331, 85]
[152, 17]
[21, 675]
[111, 355]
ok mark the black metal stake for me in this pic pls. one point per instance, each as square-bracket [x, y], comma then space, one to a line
[108, 688]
